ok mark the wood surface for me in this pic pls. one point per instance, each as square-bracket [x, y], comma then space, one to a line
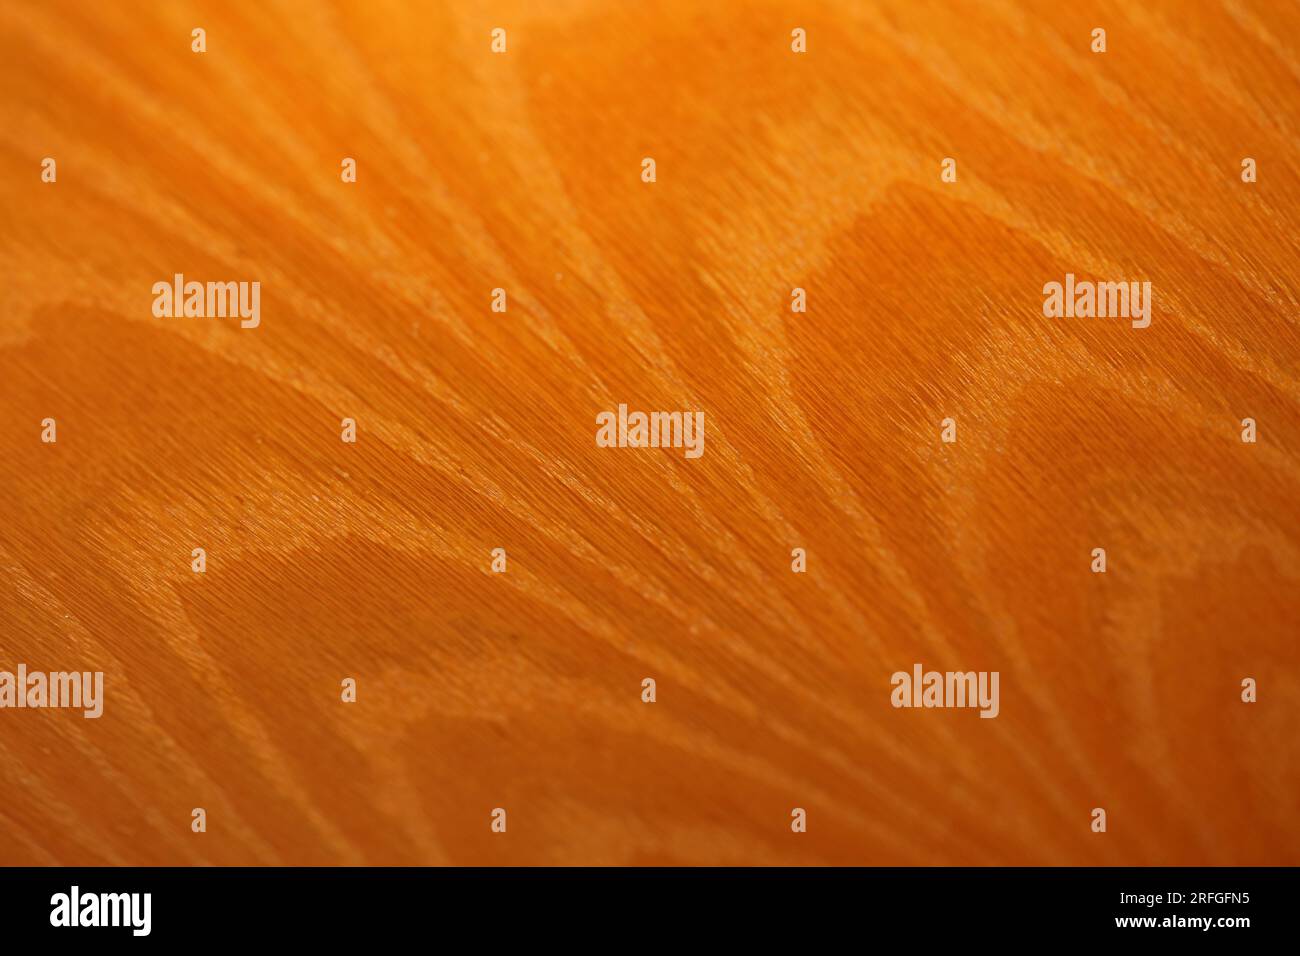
[522, 690]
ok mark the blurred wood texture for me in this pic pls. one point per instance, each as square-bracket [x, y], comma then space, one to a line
[476, 431]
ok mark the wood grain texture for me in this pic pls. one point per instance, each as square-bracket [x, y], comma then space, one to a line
[522, 690]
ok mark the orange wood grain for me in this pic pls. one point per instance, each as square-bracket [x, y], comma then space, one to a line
[522, 690]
